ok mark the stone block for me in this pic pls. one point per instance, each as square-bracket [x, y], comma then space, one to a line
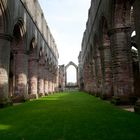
[137, 107]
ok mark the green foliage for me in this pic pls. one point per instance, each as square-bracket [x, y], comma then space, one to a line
[68, 116]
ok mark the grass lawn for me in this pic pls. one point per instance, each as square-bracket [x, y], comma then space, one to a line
[68, 116]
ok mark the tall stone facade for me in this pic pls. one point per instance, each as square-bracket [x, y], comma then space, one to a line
[108, 63]
[28, 53]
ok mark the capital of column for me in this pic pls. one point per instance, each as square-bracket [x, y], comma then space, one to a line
[33, 59]
[6, 37]
[18, 51]
[41, 62]
[119, 30]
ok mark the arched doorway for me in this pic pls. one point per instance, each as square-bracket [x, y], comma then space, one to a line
[19, 64]
[67, 82]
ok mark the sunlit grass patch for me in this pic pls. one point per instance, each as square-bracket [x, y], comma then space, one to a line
[68, 116]
[4, 127]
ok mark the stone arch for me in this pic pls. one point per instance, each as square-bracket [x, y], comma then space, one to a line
[4, 18]
[76, 67]
[20, 62]
[18, 35]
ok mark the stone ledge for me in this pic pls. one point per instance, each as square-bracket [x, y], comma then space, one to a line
[137, 107]
[5, 103]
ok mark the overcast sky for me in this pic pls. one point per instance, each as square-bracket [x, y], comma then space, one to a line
[67, 22]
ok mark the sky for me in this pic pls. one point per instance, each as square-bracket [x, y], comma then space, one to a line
[67, 22]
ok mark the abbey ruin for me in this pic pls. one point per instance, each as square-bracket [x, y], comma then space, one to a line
[110, 56]
[108, 61]
[28, 53]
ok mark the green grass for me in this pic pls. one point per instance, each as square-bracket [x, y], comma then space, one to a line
[68, 116]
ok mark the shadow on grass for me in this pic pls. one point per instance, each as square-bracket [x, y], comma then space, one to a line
[68, 116]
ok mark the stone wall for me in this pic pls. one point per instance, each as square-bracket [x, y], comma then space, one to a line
[28, 53]
[105, 59]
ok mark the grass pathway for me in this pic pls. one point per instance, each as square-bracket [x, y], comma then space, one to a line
[68, 116]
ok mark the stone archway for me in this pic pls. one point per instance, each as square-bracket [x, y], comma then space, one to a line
[20, 63]
[66, 67]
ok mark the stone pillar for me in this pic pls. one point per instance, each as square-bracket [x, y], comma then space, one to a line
[98, 73]
[94, 76]
[77, 77]
[53, 77]
[46, 81]
[46, 86]
[90, 77]
[21, 72]
[4, 68]
[41, 80]
[85, 77]
[33, 77]
[122, 65]
[57, 80]
[49, 82]
[107, 73]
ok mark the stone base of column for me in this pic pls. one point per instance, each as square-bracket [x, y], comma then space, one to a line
[97, 94]
[46, 94]
[40, 94]
[5, 103]
[124, 100]
[137, 107]
[33, 96]
[19, 99]
[106, 96]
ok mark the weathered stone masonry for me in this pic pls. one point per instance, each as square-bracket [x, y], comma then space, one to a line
[63, 75]
[107, 67]
[28, 53]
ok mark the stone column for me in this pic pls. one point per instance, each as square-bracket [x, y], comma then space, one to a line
[49, 82]
[122, 65]
[90, 77]
[41, 80]
[98, 74]
[94, 76]
[85, 77]
[77, 77]
[46, 86]
[4, 68]
[107, 73]
[21, 72]
[33, 77]
[46, 81]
